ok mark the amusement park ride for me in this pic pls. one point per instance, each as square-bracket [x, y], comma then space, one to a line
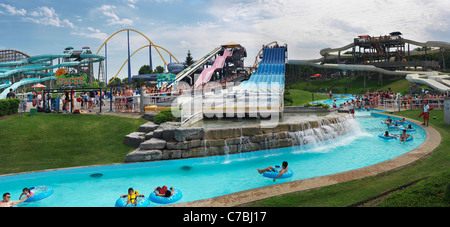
[386, 55]
[18, 69]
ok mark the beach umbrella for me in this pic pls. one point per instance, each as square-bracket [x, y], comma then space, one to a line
[38, 85]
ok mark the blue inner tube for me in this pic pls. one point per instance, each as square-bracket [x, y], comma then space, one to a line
[40, 193]
[409, 139]
[141, 202]
[166, 200]
[386, 138]
[277, 169]
[395, 127]
[410, 130]
[400, 122]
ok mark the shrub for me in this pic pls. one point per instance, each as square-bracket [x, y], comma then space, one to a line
[165, 116]
[9, 106]
[325, 106]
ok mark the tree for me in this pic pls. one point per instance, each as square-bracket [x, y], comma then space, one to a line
[189, 59]
[159, 69]
[145, 69]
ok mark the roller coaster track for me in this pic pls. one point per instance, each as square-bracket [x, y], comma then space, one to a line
[151, 43]
[14, 52]
[156, 46]
[142, 36]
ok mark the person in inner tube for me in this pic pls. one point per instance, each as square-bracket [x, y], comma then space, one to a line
[163, 192]
[386, 134]
[26, 192]
[132, 196]
[271, 169]
[404, 136]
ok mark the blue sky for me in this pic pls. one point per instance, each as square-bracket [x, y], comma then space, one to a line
[48, 26]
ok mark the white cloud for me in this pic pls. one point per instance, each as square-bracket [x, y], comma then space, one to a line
[12, 10]
[316, 24]
[43, 15]
[131, 3]
[110, 12]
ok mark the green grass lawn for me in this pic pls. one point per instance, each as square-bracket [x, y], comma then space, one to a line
[300, 97]
[355, 86]
[49, 141]
[352, 192]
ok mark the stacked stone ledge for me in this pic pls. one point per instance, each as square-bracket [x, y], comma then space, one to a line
[170, 141]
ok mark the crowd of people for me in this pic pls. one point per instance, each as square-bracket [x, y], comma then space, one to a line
[377, 99]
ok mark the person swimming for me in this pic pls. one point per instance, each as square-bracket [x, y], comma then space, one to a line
[26, 192]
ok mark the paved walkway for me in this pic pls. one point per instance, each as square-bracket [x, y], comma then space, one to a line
[431, 142]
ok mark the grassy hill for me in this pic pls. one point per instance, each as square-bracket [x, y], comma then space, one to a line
[354, 85]
[49, 141]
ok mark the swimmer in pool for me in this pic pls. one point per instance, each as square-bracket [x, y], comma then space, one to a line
[26, 192]
[270, 168]
[388, 121]
[386, 134]
[404, 136]
[7, 203]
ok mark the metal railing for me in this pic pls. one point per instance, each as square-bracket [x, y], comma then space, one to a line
[393, 105]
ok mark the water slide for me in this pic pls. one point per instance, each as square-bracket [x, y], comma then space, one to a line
[206, 74]
[23, 82]
[39, 63]
[5, 84]
[365, 68]
[328, 51]
[435, 80]
[270, 74]
[192, 68]
[438, 82]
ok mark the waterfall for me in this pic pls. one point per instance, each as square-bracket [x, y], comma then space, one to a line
[243, 143]
[327, 130]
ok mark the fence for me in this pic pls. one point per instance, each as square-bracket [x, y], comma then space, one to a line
[393, 105]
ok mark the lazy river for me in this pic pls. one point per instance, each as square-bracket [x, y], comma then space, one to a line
[208, 177]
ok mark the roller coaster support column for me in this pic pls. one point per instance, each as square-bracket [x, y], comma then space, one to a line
[129, 62]
[106, 64]
[150, 56]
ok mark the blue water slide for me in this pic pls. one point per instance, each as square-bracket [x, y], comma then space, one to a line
[36, 68]
[270, 73]
[5, 84]
[23, 82]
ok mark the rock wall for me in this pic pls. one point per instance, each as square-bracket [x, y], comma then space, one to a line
[169, 141]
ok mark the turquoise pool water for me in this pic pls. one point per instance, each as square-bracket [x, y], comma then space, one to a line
[203, 178]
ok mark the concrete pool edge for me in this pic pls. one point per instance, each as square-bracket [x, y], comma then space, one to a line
[431, 142]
